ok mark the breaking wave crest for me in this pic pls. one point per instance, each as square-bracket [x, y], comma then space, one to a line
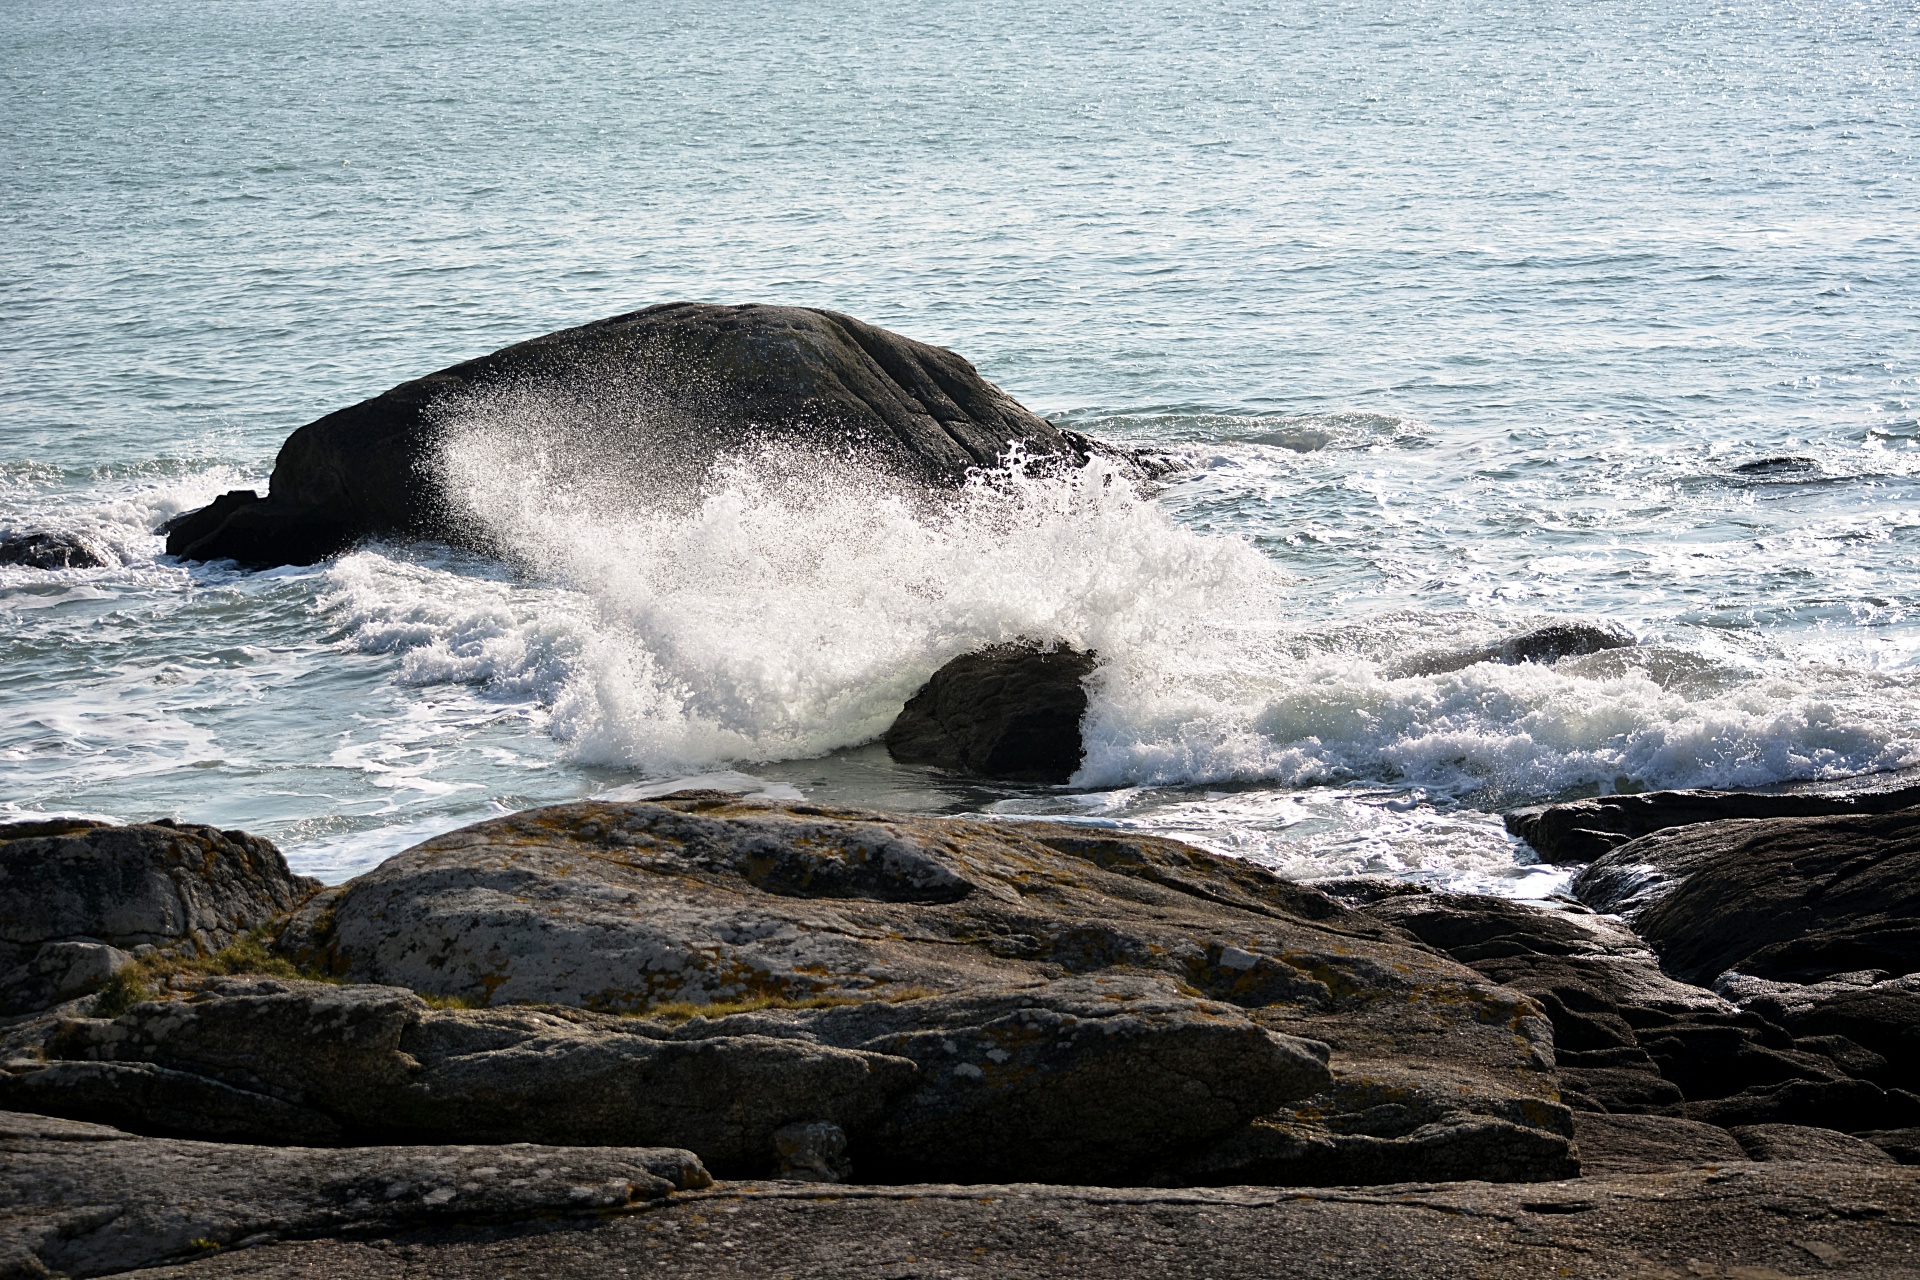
[787, 605]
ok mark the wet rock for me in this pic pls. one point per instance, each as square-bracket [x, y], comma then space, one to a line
[1796, 899]
[1583, 830]
[1561, 640]
[659, 392]
[53, 551]
[86, 1200]
[1648, 1143]
[1546, 644]
[1803, 1142]
[75, 896]
[1010, 711]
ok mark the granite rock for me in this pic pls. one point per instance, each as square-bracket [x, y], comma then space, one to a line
[658, 393]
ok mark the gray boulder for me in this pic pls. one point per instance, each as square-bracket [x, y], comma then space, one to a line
[658, 393]
[78, 897]
[1010, 711]
[87, 1200]
[1633, 1143]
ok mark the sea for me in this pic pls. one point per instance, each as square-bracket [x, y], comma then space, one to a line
[1465, 317]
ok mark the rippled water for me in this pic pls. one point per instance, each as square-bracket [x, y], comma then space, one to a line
[1468, 316]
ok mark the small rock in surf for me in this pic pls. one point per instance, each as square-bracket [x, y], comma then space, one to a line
[1011, 711]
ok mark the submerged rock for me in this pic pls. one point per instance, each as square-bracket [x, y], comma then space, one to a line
[659, 392]
[1548, 644]
[77, 897]
[1010, 712]
[52, 551]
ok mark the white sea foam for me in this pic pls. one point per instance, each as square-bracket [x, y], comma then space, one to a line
[790, 606]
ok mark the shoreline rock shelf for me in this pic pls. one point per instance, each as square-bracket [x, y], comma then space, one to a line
[753, 989]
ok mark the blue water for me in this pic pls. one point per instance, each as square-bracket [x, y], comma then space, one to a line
[1466, 314]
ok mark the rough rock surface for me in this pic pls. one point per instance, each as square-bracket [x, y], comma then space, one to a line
[84, 1200]
[1738, 1222]
[662, 390]
[1631, 1040]
[77, 897]
[961, 999]
[1583, 830]
[1803, 1142]
[1631, 1143]
[52, 551]
[1011, 711]
[1795, 899]
[708, 898]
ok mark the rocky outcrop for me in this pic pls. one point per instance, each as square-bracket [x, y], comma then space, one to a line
[1803, 1142]
[792, 986]
[1546, 644]
[86, 1200]
[1011, 711]
[53, 551]
[658, 392]
[1793, 899]
[78, 898]
[1583, 830]
[1740, 1221]
[1629, 1039]
[1632, 1142]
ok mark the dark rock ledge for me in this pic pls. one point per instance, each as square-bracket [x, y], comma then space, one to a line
[704, 986]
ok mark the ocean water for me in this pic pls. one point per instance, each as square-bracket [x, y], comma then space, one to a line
[1467, 317]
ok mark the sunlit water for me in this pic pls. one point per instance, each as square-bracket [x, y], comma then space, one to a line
[1466, 316]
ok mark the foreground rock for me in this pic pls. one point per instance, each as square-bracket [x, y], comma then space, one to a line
[1791, 899]
[78, 898]
[658, 393]
[52, 551]
[1629, 1039]
[916, 998]
[1010, 711]
[85, 1200]
[1582, 830]
[1752, 1221]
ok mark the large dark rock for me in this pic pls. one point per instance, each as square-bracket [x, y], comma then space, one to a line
[916, 997]
[658, 392]
[1012, 712]
[1794, 899]
[52, 551]
[78, 897]
[87, 1200]
[1583, 830]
